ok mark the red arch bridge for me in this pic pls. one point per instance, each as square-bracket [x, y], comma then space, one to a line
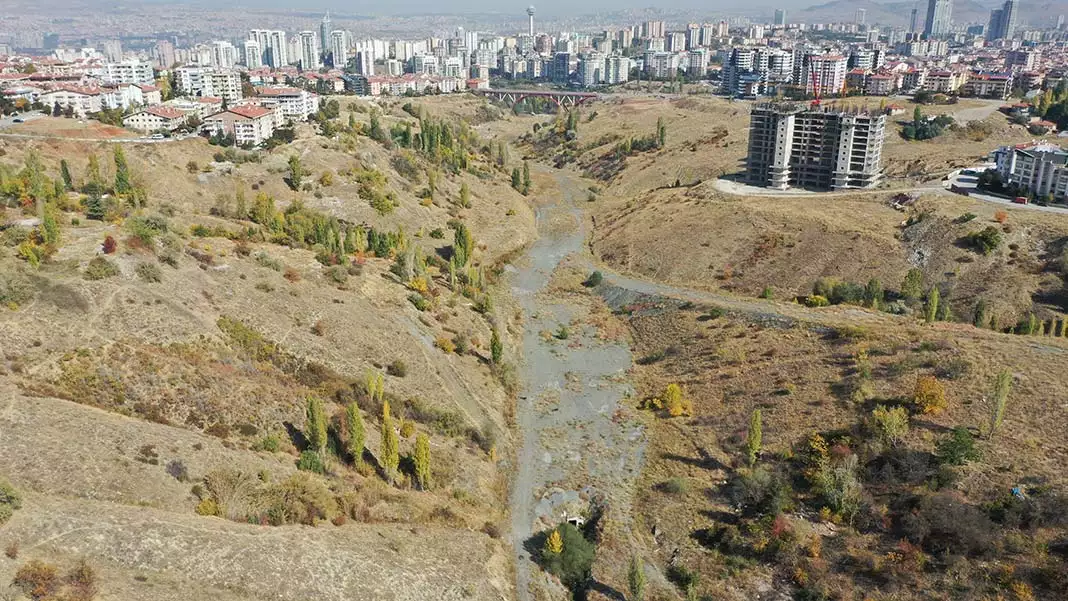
[564, 100]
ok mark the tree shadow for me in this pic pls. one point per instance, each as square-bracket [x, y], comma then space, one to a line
[705, 461]
[296, 436]
[722, 517]
[600, 587]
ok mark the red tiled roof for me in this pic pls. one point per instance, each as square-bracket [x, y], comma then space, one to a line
[165, 111]
[250, 112]
[209, 100]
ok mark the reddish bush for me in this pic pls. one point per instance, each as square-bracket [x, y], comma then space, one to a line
[37, 580]
[110, 245]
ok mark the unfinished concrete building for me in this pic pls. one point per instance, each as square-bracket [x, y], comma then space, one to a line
[793, 144]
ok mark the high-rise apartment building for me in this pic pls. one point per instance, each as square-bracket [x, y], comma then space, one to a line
[273, 47]
[939, 17]
[1002, 22]
[339, 48]
[653, 29]
[112, 51]
[309, 51]
[780, 18]
[163, 54]
[861, 17]
[824, 74]
[792, 144]
[253, 57]
[325, 28]
[223, 54]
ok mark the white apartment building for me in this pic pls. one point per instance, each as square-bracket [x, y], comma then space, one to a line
[825, 74]
[249, 125]
[339, 48]
[155, 118]
[309, 51]
[591, 70]
[223, 55]
[208, 81]
[83, 101]
[1042, 168]
[253, 54]
[617, 70]
[131, 71]
[296, 104]
[273, 47]
[661, 65]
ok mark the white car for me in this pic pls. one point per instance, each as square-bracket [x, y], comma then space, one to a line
[156, 136]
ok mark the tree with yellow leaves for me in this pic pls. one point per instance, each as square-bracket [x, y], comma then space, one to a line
[554, 544]
[675, 402]
[390, 445]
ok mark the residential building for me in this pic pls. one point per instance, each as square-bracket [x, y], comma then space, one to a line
[617, 70]
[131, 71]
[82, 101]
[944, 81]
[791, 144]
[163, 54]
[309, 51]
[780, 18]
[591, 69]
[325, 32]
[661, 65]
[113, 51]
[155, 118]
[939, 17]
[273, 47]
[253, 54]
[988, 85]
[223, 54]
[365, 62]
[1042, 168]
[296, 104]
[1021, 60]
[339, 48]
[249, 125]
[824, 74]
[1002, 22]
[208, 81]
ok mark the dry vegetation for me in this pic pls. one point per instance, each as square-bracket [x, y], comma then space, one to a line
[156, 365]
[919, 527]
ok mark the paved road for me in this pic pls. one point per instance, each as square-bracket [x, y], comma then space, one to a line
[10, 119]
[970, 183]
[978, 113]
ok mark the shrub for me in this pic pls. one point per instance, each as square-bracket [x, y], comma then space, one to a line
[985, 241]
[208, 507]
[594, 280]
[572, 564]
[81, 582]
[816, 301]
[397, 369]
[38, 580]
[310, 461]
[445, 344]
[419, 302]
[100, 268]
[149, 272]
[890, 424]
[337, 274]
[110, 245]
[675, 403]
[270, 443]
[675, 486]
[177, 470]
[958, 447]
[407, 428]
[929, 395]
[9, 496]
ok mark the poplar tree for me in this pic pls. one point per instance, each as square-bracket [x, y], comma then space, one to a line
[754, 437]
[64, 171]
[422, 461]
[390, 452]
[316, 425]
[496, 348]
[526, 178]
[636, 579]
[357, 433]
[122, 172]
[930, 310]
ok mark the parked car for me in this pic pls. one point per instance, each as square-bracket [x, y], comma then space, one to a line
[1020, 200]
[18, 120]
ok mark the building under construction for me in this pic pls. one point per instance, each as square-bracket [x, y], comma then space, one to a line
[793, 144]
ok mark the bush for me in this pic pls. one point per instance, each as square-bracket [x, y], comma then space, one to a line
[38, 580]
[100, 268]
[110, 245]
[270, 443]
[398, 369]
[81, 582]
[573, 563]
[310, 462]
[10, 500]
[958, 448]
[150, 272]
[816, 301]
[890, 424]
[985, 241]
[675, 486]
[930, 395]
[594, 280]
[445, 344]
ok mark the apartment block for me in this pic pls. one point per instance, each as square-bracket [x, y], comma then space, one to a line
[792, 144]
[206, 81]
[155, 118]
[249, 125]
[1041, 168]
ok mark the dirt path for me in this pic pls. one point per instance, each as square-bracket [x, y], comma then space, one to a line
[571, 446]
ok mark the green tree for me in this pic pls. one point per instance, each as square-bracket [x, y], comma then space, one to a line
[930, 309]
[958, 448]
[315, 428]
[573, 563]
[465, 196]
[357, 432]
[376, 132]
[517, 180]
[92, 175]
[982, 317]
[422, 461]
[390, 452]
[296, 172]
[463, 245]
[64, 172]
[50, 226]
[122, 172]
[496, 348]
[636, 579]
[661, 132]
[912, 286]
[873, 294]
[1002, 387]
[917, 117]
[754, 438]
[526, 178]
[891, 424]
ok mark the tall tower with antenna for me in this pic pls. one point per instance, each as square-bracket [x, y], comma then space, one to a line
[530, 17]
